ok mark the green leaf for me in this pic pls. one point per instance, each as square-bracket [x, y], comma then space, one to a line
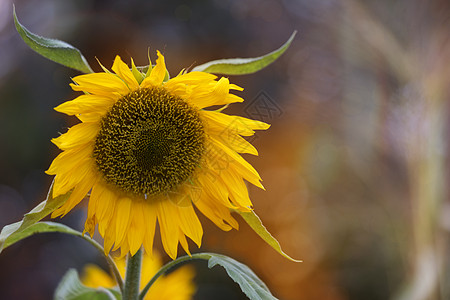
[12, 232]
[39, 227]
[256, 224]
[242, 66]
[71, 288]
[55, 50]
[250, 284]
[45, 227]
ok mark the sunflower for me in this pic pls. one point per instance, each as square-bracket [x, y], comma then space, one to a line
[177, 285]
[149, 150]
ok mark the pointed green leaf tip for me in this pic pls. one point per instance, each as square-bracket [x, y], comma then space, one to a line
[55, 50]
[255, 223]
[17, 231]
[242, 66]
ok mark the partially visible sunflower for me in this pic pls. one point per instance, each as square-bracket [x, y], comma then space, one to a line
[150, 150]
[177, 285]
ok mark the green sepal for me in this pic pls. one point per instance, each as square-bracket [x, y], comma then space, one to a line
[242, 66]
[55, 50]
[149, 67]
[139, 76]
[256, 224]
[71, 288]
[12, 232]
[167, 76]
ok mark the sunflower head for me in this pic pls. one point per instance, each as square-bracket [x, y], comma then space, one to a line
[149, 149]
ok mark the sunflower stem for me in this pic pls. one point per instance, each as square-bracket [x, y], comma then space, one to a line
[132, 276]
[170, 265]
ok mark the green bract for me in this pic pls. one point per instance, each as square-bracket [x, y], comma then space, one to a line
[256, 224]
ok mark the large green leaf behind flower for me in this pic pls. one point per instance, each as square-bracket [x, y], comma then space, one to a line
[242, 66]
[55, 50]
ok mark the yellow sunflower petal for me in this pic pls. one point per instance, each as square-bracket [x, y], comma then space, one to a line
[86, 104]
[150, 213]
[192, 78]
[105, 209]
[184, 242]
[89, 226]
[78, 193]
[157, 74]
[177, 286]
[110, 236]
[124, 72]
[90, 117]
[216, 213]
[233, 140]
[137, 229]
[218, 94]
[77, 135]
[168, 227]
[124, 249]
[189, 224]
[94, 199]
[184, 84]
[237, 188]
[150, 265]
[241, 125]
[236, 87]
[95, 277]
[100, 84]
[123, 218]
[209, 203]
[67, 160]
[212, 185]
[240, 162]
[65, 181]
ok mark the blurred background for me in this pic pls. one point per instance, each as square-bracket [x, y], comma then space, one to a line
[355, 163]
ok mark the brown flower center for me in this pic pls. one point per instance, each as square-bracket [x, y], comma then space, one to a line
[149, 142]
